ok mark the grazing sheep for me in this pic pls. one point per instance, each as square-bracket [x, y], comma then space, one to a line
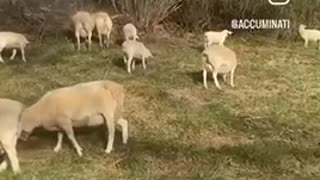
[135, 49]
[130, 32]
[85, 104]
[219, 60]
[103, 24]
[83, 25]
[309, 35]
[10, 111]
[216, 37]
[12, 40]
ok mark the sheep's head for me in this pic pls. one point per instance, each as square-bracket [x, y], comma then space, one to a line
[302, 27]
[148, 53]
[27, 125]
[227, 32]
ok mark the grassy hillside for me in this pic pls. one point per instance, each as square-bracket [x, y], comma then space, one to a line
[266, 128]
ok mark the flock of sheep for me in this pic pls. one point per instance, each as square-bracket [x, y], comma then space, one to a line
[97, 102]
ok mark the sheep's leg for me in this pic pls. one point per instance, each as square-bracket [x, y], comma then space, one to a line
[77, 34]
[89, 39]
[124, 126]
[67, 127]
[129, 64]
[13, 55]
[144, 63]
[1, 60]
[205, 78]
[133, 65]
[57, 148]
[12, 156]
[224, 77]
[3, 165]
[100, 39]
[231, 76]
[22, 54]
[124, 60]
[306, 43]
[109, 39]
[319, 45]
[111, 131]
[215, 77]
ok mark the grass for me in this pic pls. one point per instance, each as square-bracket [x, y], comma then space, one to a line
[267, 127]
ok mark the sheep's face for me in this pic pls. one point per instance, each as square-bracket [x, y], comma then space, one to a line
[148, 54]
[302, 26]
[27, 126]
[227, 32]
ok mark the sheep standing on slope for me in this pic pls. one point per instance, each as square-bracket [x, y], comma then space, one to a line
[83, 26]
[103, 24]
[10, 111]
[135, 49]
[213, 37]
[86, 104]
[130, 32]
[12, 40]
[218, 60]
[309, 35]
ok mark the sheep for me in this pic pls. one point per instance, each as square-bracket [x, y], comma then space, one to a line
[10, 111]
[130, 32]
[219, 60]
[103, 24]
[85, 104]
[309, 35]
[135, 49]
[213, 37]
[13, 40]
[83, 26]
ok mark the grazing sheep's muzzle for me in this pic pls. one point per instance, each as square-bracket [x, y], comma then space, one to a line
[24, 135]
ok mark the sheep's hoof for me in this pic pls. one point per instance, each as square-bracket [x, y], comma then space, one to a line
[56, 149]
[108, 150]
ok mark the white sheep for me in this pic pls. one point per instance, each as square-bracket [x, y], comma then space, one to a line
[219, 60]
[12, 40]
[10, 111]
[83, 26]
[85, 104]
[134, 49]
[213, 37]
[103, 24]
[309, 35]
[130, 32]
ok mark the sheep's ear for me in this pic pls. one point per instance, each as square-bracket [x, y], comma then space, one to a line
[230, 32]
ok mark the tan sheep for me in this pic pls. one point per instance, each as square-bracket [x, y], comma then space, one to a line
[12, 40]
[83, 26]
[10, 111]
[135, 49]
[219, 60]
[103, 25]
[309, 35]
[130, 32]
[85, 104]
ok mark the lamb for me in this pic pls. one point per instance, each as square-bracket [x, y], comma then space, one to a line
[83, 25]
[130, 32]
[135, 49]
[103, 24]
[13, 40]
[219, 60]
[10, 111]
[213, 37]
[309, 35]
[85, 104]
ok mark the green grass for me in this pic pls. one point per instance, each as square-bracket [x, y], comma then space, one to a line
[267, 127]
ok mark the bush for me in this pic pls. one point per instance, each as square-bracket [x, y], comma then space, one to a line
[146, 14]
